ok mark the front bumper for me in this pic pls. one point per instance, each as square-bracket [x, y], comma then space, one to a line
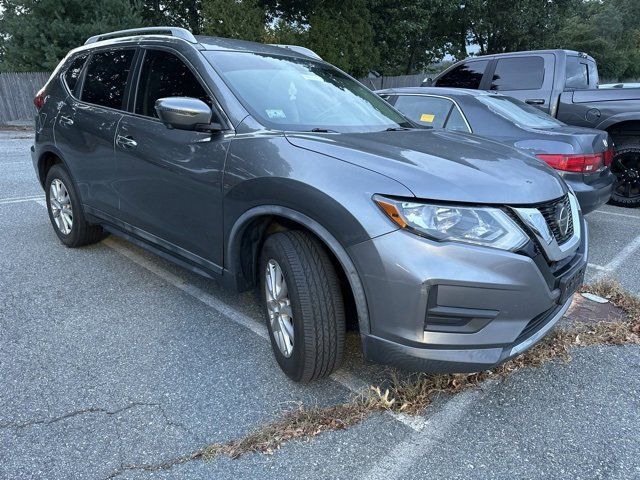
[446, 307]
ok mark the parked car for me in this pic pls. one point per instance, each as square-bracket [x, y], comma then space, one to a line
[268, 168]
[581, 155]
[564, 84]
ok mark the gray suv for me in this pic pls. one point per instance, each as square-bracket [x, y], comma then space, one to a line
[267, 168]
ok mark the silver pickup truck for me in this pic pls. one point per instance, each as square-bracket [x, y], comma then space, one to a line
[564, 84]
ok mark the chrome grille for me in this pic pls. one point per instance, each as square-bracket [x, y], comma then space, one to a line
[550, 213]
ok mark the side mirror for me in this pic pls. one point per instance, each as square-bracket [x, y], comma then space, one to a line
[427, 82]
[185, 113]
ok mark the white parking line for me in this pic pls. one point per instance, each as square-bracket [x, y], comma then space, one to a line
[626, 215]
[597, 267]
[617, 261]
[5, 201]
[434, 430]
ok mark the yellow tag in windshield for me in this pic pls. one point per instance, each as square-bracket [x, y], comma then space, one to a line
[427, 117]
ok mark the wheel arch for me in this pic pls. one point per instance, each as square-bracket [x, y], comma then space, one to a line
[252, 227]
[47, 158]
[622, 129]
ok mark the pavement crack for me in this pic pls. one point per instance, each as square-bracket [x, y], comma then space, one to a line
[75, 413]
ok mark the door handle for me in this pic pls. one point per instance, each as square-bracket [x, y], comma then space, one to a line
[126, 142]
[535, 101]
[66, 121]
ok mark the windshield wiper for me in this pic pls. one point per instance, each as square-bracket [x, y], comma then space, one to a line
[396, 129]
[323, 130]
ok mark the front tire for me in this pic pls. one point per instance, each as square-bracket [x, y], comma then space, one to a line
[65, 210]
[303, 305]
[626, 167]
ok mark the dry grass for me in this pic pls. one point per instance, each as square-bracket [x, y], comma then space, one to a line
[413, 394]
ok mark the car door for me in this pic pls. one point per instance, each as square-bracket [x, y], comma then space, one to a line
[169, 181]
[86, 125]
[528, 78]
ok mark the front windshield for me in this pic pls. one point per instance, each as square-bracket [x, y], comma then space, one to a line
[519, 112]
[287, 93]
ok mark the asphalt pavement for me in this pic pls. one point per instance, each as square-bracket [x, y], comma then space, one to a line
[111, 356]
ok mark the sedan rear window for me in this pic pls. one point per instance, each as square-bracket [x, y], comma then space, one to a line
[518, 112]
[287, 93]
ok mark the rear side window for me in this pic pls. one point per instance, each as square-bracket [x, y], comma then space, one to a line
[165, 75]
[72, 74]
[581, 73]
[519, 73]
[467, 75]
[106, 78]
[436, 112]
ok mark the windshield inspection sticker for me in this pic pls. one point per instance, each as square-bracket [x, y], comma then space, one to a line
[275, 113]
[427, 117]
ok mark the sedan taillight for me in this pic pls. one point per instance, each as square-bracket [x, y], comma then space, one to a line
[579, 163]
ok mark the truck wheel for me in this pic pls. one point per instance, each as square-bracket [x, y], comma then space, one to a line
[303, 305]
[626, 167]
[65, 210]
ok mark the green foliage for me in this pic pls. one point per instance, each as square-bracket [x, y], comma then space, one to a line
[243, 19]
[178, 13]
[389, 36]
[38, 33]
[608, 31]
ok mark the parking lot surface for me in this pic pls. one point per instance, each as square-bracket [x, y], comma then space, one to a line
[111, 356]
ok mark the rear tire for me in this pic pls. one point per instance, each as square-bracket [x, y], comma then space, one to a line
[307, 304]
[626, 168]
[65, 210]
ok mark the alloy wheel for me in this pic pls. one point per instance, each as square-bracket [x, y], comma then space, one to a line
[60, 205]
[279, 308]
[627, 170]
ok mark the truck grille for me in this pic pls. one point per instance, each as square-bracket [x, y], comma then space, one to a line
[550, 212]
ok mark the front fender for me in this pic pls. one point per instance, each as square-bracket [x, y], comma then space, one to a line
[234, 249]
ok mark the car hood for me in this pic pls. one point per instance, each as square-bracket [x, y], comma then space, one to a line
[441, 165]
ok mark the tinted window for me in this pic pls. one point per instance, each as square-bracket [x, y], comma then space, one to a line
[456, 122]
[518, 112]
[106, 78]
[467, 75]
[432, 111]
[288, 93]
[581, 73]
[165, 75]
[72, 74]
[520, 73]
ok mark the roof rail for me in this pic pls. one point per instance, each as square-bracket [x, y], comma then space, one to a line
[298, 49]
[173, 31]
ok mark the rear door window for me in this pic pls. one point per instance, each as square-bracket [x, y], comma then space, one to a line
[518, 73]
[106, 79]
[581, 73]
[163, 75]
[467, 75]
[437, 112]
[72, 74]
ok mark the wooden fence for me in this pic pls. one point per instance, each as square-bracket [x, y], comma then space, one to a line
[395, 82]
[16, 95]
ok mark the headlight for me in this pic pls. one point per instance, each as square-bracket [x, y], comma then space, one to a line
[486, 226]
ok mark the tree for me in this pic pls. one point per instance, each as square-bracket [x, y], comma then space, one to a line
[409, 33]
[38, 33]
[177, 13]
[244, 19]
[341, 33]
